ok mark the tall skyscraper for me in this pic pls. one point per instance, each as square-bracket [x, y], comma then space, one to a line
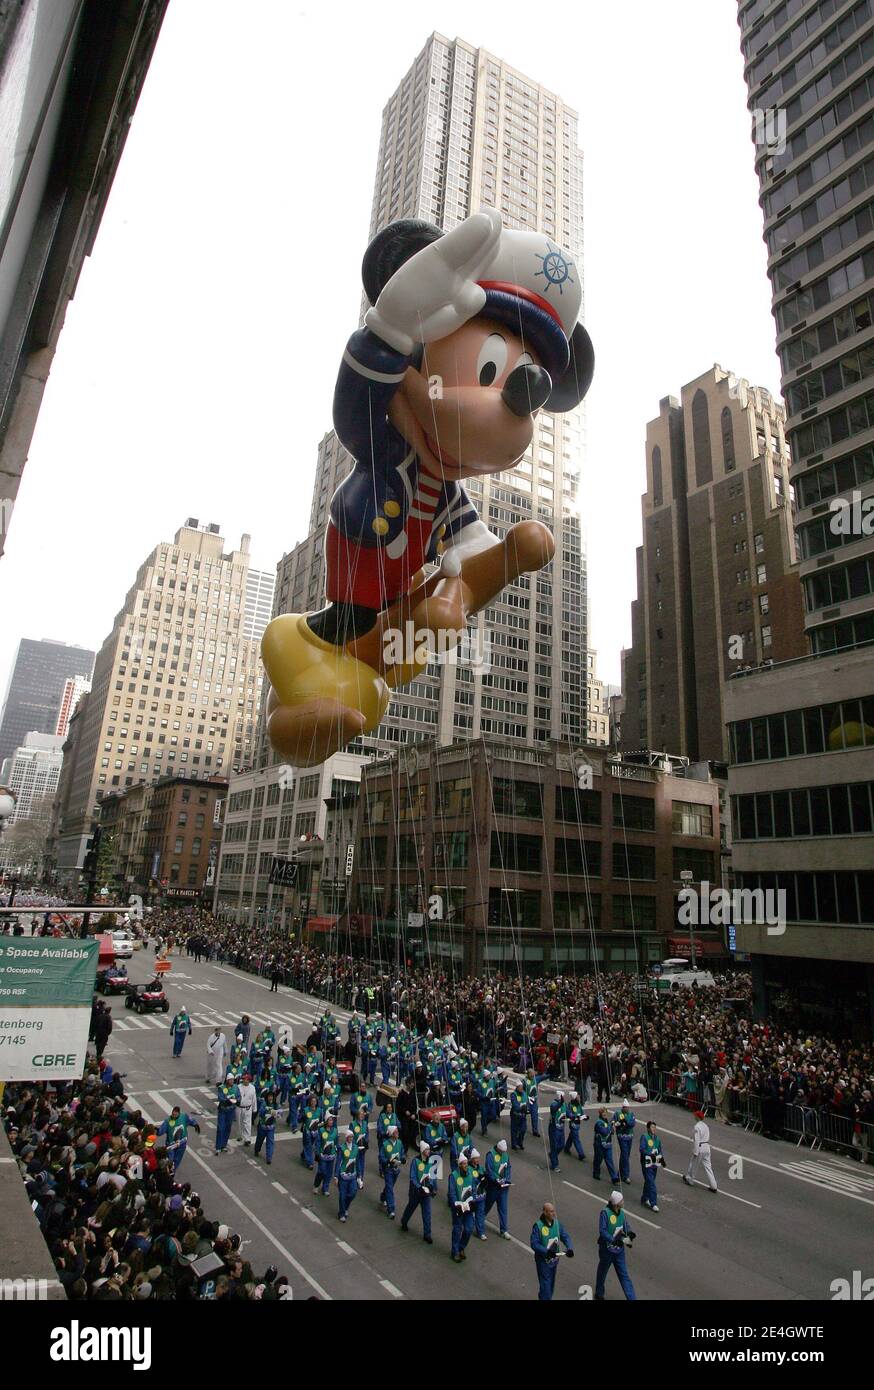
[36, 689]
[811, 82]
[259, 603]
[802, 735]
[176, 684]
[74, 688]
[32, 772]
[465, 130]
[718, 581]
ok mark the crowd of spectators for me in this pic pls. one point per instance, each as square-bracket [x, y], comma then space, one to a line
[611, 1031]
[117, 1222]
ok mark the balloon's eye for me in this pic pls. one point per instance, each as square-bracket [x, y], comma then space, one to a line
[492, 359]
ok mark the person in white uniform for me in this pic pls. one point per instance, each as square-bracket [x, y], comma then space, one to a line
[248, 1107]
[700, 1153]
[216, 1057]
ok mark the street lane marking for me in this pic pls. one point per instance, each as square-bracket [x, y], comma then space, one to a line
[521, 1244]
[280, 1188]
[597, 1197]
[286, 1254]
[387, 1284]
[721, 1191]
[311, 1216]
[783, 1170]
[348, 1249]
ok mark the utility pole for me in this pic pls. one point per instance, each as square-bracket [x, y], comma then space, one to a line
[89, 867]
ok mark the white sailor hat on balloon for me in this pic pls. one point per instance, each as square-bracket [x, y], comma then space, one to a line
[534, 286]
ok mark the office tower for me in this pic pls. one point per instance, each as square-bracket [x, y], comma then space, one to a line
[802, 735]
[717, 582]
[259, 603]
[36, 689]
[176, 685]
[463, 130]
[815, 76]
[74, 688]
[32, 772]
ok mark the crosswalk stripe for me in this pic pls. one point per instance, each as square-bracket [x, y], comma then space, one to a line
[137, 1023]
[160, 1101]
[122, 1024]
[155, 1022]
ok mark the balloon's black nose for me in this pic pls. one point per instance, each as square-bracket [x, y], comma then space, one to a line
[526, 389]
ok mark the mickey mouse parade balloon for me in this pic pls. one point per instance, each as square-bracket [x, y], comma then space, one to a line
[471, 333]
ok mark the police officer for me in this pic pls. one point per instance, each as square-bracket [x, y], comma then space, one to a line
[557, 1116]
[623, 1124]
[614, 1234]
[391, 1156]
[266, 1124]
[651, 1157]
[575, 1116]
[462, 1193]
[498, 1183]
[421, 1192]
[518, 1117]
[346, 1172]
[326, 1154]
[310, 1120]
[547, 1237]
[604, 1146]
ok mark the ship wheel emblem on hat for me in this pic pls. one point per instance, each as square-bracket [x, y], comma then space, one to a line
[554, 267]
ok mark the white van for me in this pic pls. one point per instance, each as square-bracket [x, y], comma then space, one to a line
[677, 973]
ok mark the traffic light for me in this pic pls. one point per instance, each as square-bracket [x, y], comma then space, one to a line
[92, 850]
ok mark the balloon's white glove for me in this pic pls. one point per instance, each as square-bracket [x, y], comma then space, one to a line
[435, 291]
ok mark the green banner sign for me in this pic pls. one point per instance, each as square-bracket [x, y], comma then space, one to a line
[46, 989]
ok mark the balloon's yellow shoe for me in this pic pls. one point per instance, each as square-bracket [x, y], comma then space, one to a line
[322, 696]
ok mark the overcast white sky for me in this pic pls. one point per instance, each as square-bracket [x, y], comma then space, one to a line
[195, 372]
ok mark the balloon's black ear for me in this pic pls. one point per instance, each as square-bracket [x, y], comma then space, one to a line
[390, 248]
[575, 381]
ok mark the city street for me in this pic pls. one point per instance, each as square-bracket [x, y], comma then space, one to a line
[784, 1227]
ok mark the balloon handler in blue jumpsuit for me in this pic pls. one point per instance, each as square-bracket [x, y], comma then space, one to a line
[421, 1192]
[498, 1184]
[326, 1154]
[266, 1125]
[623, 1123]
[651, 1159]
[310, 1120]
[228, 1102]
[614, 1235]
[518, 1117]
[391, 1156]
[346, 1173]
[547, 1237]
[603, 1146]
[489, 313]
[462, 1194]
[575, 1116]
[175, 1127]
[555, 1130]
[179, 1029]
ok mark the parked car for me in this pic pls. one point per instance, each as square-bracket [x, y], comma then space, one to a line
[146, 999]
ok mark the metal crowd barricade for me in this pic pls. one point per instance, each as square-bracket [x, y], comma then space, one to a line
[803, 1124]
[847, 1134]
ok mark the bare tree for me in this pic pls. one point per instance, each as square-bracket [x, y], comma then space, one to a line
[24, 842]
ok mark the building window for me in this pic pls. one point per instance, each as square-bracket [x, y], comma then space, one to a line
[701, 439]
[634, 812]
[727, 440]
[690, 818]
